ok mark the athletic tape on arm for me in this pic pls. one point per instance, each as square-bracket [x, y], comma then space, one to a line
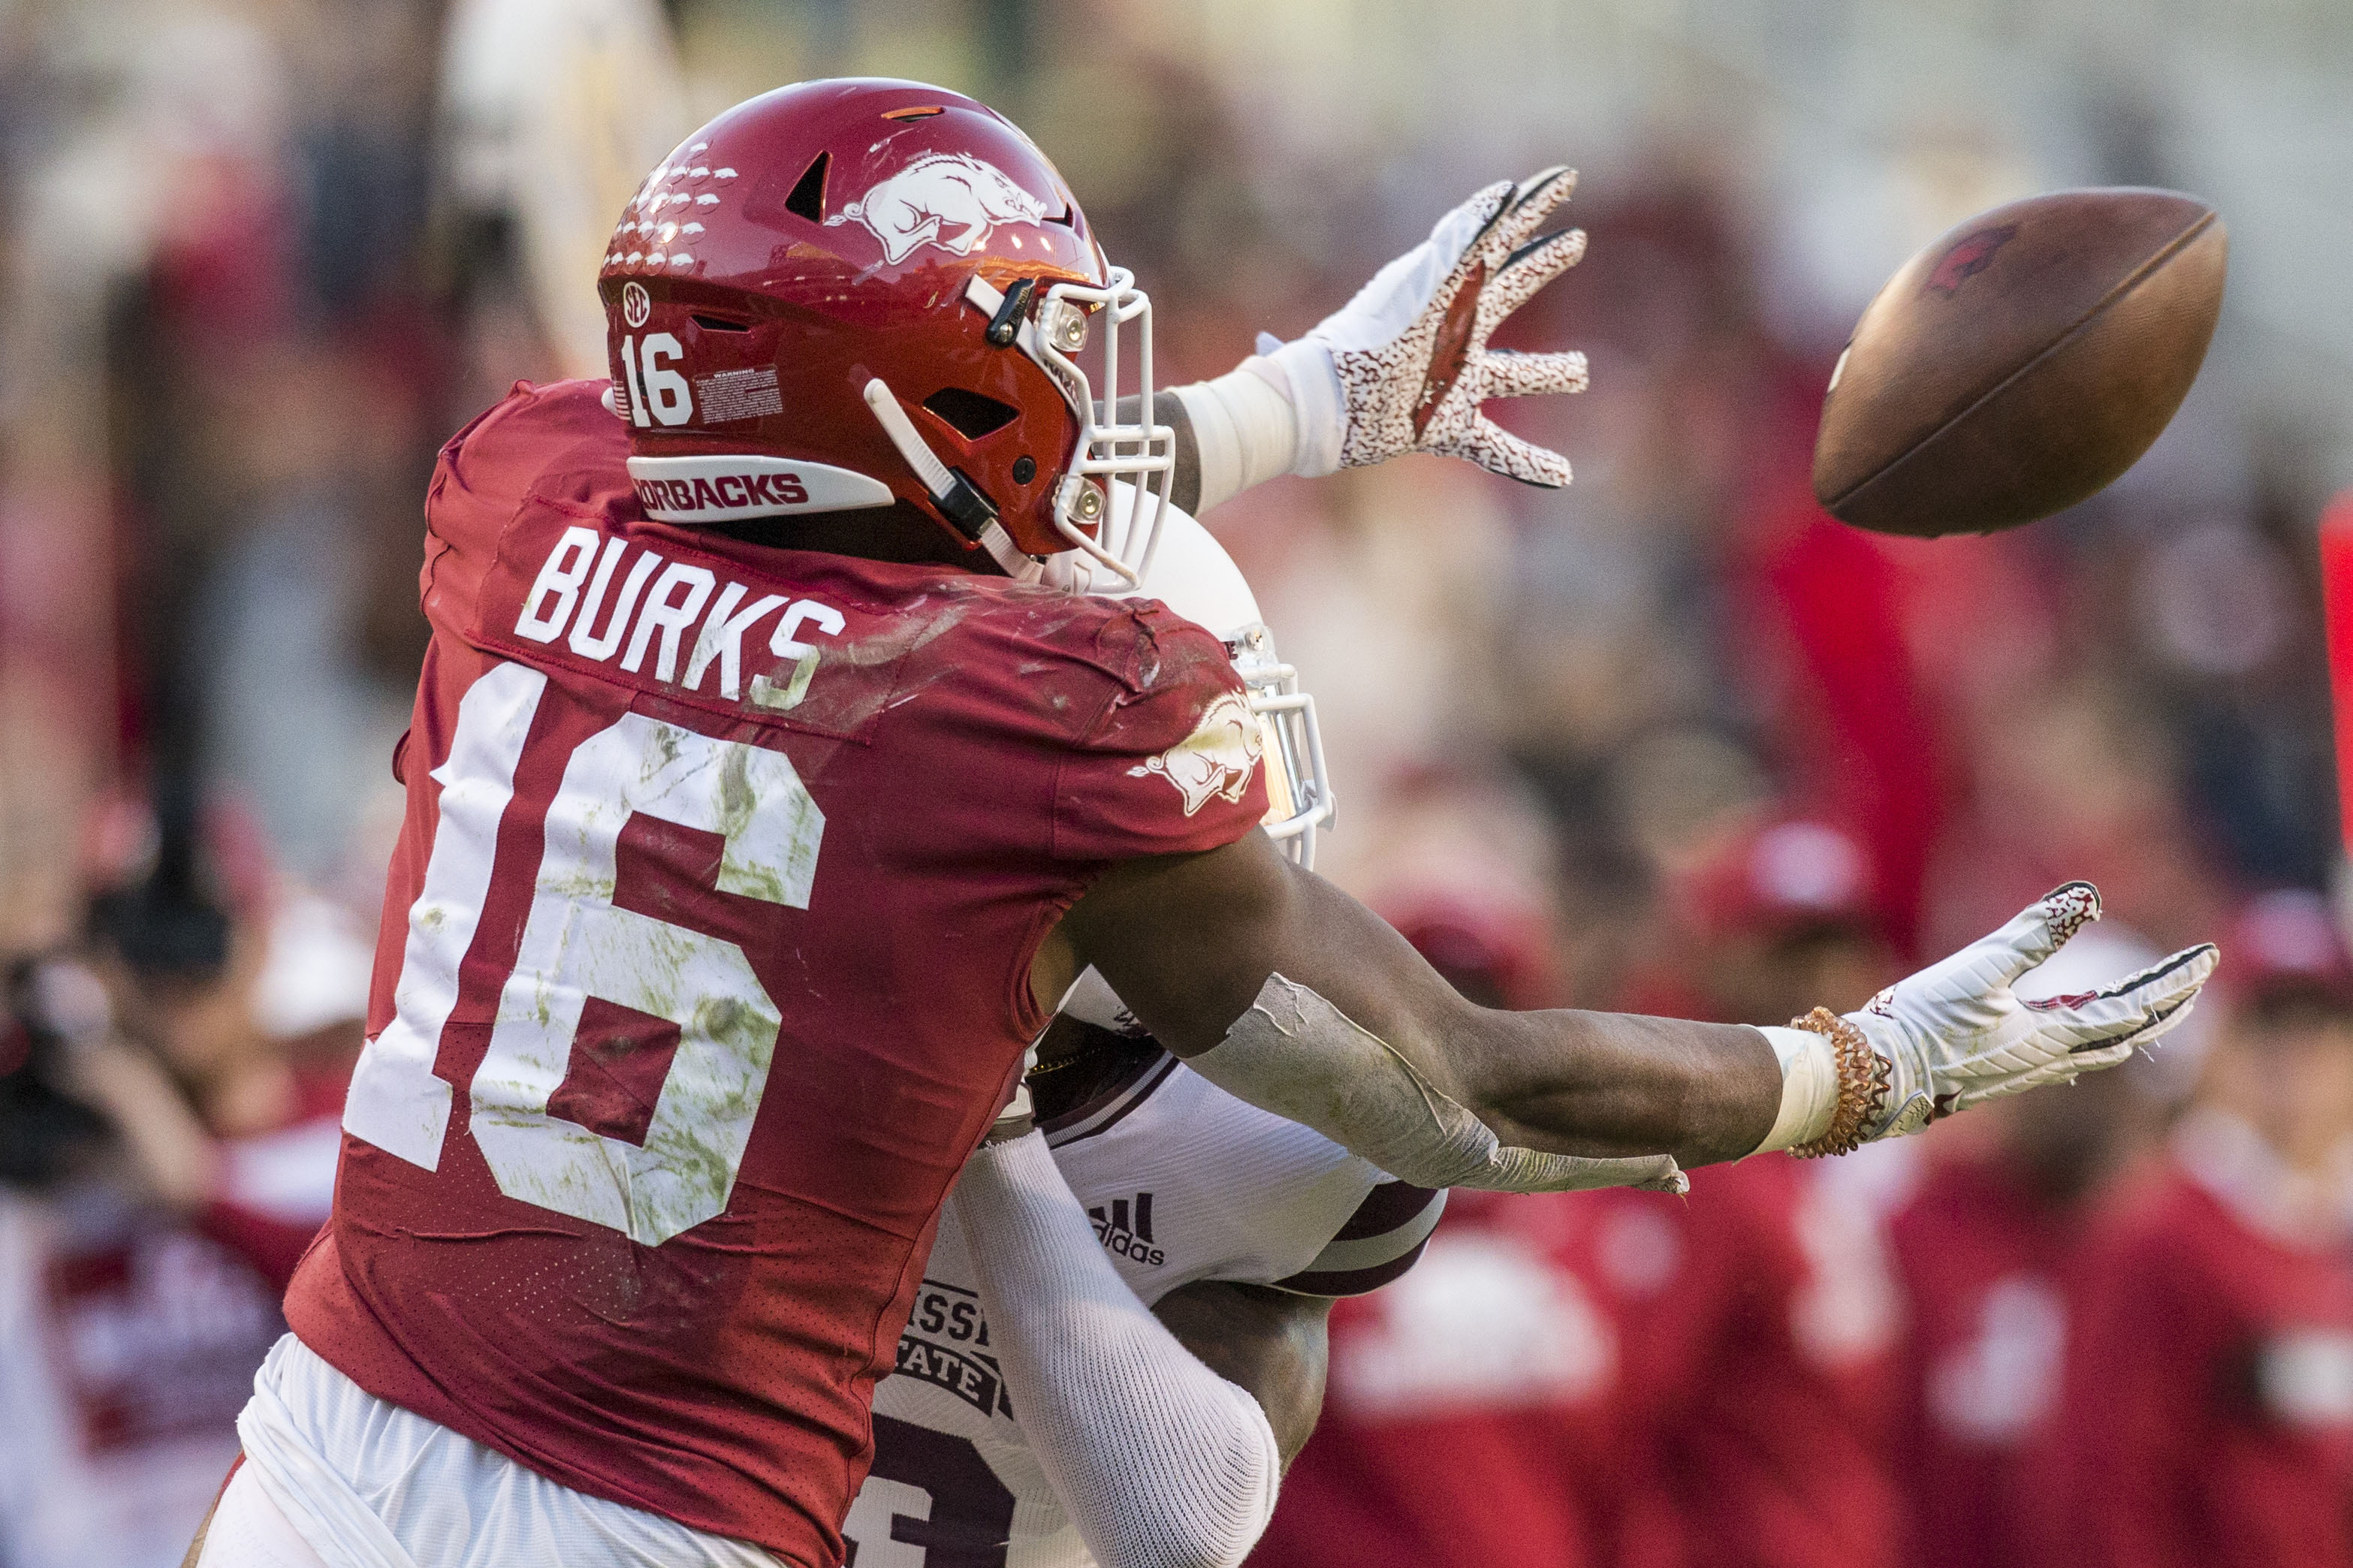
[1809, 1086]
[1245, 431]
[1296, 1055]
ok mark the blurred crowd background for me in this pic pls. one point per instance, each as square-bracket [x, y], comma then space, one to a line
[1668, 740]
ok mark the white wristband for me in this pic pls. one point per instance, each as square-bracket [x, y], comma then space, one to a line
[1809, 1086]
[1244, 429]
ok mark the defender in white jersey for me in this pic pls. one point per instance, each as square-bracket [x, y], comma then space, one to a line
[1244, 1224]
[1183, 1183]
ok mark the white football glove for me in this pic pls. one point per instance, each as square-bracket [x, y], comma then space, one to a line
[1405, 365]
[1954, 1034]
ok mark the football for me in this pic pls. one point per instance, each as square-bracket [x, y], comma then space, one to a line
[2021, 362]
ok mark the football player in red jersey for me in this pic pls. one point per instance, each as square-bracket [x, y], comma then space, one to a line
[770, 782]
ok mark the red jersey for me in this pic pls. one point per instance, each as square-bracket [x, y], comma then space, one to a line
[1982, 1263]
[2206, 1415]
[1756, 1319]
[1470, 1414]
[705, 963]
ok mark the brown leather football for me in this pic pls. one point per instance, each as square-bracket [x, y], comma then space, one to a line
[2021, 362]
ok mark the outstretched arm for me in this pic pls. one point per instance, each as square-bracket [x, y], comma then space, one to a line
[1285, 992]
[1190, 942]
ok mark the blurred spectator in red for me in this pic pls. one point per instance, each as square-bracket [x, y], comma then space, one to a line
[1777, 917]
[170, 1101]
[255, 1004]
[1755, 1318]
[1623, 1377]
[2207, 1410]
[128, 1338]
[1470, 1417]
[281, 1134]
[1855, 732]
[1982, 1247]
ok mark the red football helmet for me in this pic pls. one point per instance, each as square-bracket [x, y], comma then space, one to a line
[851, 294]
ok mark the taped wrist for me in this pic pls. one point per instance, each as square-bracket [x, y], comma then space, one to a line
[1161, 1462]
[1809, 1087]
[1244, 429]
[1296, 1055]
[1865, 1081]
[1311, 378]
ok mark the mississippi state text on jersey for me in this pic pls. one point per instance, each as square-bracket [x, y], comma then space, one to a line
[705, 963]
[1184, 1183]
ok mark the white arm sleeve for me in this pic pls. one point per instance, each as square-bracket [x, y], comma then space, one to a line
[1161, 1462]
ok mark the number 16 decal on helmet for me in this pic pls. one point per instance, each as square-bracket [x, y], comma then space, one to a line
[888, 293]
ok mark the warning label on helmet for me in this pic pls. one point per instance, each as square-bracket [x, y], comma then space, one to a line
[734, 394]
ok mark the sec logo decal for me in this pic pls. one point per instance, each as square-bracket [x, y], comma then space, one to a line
[636, 304]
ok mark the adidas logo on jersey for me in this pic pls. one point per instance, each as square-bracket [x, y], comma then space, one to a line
[1125, 1228]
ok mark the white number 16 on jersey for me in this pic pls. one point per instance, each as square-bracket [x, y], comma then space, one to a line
[577, 944]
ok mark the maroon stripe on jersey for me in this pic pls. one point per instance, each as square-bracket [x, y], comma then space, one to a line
[1130, 1060]
[1387, 1207]
[1352, 1281]
[1157, 1074]
[1381, 1240]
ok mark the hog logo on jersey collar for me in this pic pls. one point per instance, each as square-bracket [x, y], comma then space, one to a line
[1217, 760]
[952, 200]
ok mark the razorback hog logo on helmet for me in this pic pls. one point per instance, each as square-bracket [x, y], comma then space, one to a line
[1217, 760]
[949, 199]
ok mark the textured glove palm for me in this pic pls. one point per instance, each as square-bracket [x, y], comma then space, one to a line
[1404, 366]
[1955, 1033]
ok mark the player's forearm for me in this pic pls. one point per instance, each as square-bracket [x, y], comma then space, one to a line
[1453, 1095]
[1273, 1344]
[1614, 1084]
[1161, 1462]
[1354, 1034]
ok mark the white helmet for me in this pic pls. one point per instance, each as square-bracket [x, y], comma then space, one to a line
[1192, 574]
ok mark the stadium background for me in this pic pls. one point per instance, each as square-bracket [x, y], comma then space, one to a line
[1621, 745]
